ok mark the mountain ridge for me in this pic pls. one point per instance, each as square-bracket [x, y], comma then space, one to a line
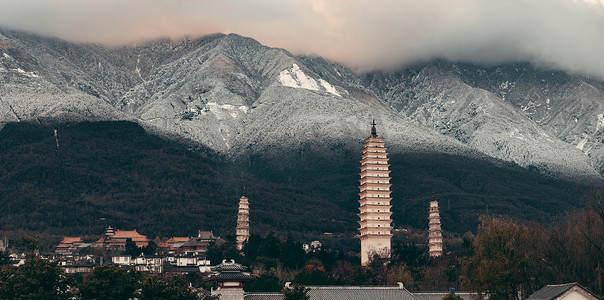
[221, 90]
[298, 122]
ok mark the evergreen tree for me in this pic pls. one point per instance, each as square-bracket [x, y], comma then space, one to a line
[297, 292]
[150, 249]
[166, 287]
[131, 248]
[110, 282]
[36, 279]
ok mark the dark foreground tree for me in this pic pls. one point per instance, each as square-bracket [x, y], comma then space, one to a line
[131, 248]
[508, 261]
[165, 286]
[265, 283]
[577, 249]
[36, 279]
[313, 274]
[296, 292]
[110, 282]
[452, 297]
[4, 258]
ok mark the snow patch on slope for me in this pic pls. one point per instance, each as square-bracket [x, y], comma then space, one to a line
[296, 78]
[328, 87]
[219, 109]
[136, 69]
[28, 74]
[581, 144]
[600, 123]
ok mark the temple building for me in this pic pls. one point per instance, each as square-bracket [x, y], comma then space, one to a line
[375, 223]
[435, 237]
[230, 277]
[116, 239]
[198, 246]
[243, 222]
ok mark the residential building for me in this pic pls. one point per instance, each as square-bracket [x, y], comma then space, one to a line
[567, 291]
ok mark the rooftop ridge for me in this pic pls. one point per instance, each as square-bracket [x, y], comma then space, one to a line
[352, 287]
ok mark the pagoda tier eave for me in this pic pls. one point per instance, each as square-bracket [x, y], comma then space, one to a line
[364, 212]
[366, 167]
[374, 154]
[374, 230]
[381, 199]
[389, 227]
[364, 173]
[364, 193]
[364, 222]
[366, 236]
[381, 204]
[374, 160]
[374, 178]
[381, 214]
[374, 143]
[375, 184]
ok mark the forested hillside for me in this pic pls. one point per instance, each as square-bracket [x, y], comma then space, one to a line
[113, 173]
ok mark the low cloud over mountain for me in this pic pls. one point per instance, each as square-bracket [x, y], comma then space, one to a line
[562, 34]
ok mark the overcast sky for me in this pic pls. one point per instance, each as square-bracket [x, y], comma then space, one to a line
[363, 34]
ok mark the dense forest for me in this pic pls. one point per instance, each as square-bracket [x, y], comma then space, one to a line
[114, 173]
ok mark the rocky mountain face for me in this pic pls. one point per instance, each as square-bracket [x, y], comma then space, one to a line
[254, 103]
[515, 112]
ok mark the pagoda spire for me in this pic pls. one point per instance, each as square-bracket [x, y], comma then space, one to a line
[373, 131]
[374, 203]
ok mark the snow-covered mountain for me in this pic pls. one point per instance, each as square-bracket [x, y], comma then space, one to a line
[246, 100]
[514, 112]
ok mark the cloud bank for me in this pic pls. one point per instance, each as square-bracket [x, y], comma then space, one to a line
[362, 34]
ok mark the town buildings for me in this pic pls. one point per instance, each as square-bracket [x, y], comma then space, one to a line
[176, 254]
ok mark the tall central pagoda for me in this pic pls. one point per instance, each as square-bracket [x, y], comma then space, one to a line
[375, 224]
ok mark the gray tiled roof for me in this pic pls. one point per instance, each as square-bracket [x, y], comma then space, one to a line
[359, 292]
[343, 292]
[554, 291]
[229, 267]
[264, 296]
[206, 235]
[441, 295]
[240, 276]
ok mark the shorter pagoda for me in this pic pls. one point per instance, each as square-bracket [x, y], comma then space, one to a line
[243, 222]
[435, 237]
